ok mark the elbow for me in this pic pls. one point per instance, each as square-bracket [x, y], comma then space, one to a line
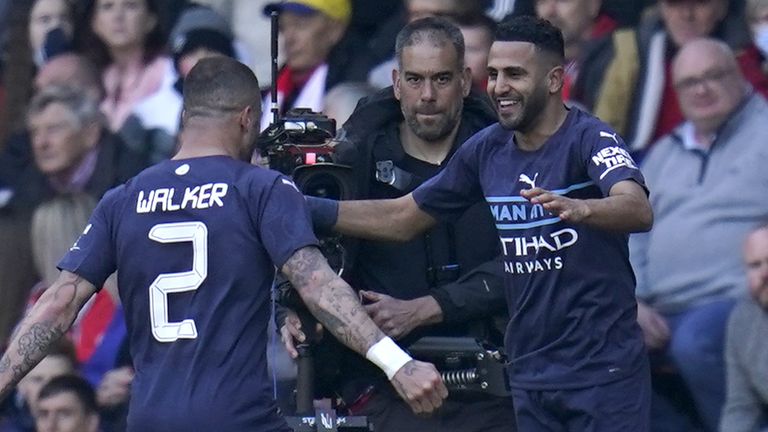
[645, 219]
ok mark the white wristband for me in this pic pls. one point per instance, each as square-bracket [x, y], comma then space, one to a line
[387, 356]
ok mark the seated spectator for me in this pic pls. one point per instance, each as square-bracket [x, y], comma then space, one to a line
[631, 73]
[72, 149]
[50, 29]
[705, 181]
[124, 38]
[67, 404]
[746, 352]
[478, 32]
[16, 412]
[199, 33]
[310, 31]
[756, 13]
[582, 23]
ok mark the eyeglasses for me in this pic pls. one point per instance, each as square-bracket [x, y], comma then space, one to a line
[708, 78]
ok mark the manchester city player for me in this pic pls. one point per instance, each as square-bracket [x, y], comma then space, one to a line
[196, 241]
[565, 193]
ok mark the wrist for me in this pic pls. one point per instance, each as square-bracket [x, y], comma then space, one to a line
[387, 356]
[430, 311]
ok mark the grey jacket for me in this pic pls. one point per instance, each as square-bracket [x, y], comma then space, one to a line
[704, 204]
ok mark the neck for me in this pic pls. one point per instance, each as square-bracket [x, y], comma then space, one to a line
[127, 57]
[208, 137]
[433, 152]
[548, 122]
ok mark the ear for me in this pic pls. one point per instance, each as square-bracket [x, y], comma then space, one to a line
[555, 79]
[91, 134]
[396, 82]
[594, 8]
[246, 119]
[466, 81]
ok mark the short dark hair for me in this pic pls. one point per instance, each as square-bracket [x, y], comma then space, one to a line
[436, 30]
[74, 384]
[220, 85]
[540, 32]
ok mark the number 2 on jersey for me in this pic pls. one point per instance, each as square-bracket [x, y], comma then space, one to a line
[168, 283]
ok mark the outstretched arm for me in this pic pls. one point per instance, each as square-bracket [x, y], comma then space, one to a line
[336, 306]
[45, 323]
[397, 219]
[625, 209]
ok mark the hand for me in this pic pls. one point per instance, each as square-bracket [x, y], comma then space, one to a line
[567, 209]
[655, 328]
[397, 317]
[420, 385]
[290, 333]
[115, 387]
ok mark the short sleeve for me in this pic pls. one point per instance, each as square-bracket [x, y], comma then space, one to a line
[93, 256]
[283, 222]
[456, 188]
[609, 161]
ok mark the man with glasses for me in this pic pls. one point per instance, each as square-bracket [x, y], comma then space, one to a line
[708, 179]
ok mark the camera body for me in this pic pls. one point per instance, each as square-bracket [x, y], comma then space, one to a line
[301, 145]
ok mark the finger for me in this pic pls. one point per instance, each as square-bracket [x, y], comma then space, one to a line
[288, 344]
[370, 295]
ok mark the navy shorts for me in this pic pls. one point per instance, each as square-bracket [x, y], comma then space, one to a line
[619, 406]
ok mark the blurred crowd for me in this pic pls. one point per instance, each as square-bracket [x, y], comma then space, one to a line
[91, 91]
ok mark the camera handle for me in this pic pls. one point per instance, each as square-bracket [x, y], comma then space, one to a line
[310, 418]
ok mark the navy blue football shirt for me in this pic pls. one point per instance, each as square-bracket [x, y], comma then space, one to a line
[195, 243]
[570, 287]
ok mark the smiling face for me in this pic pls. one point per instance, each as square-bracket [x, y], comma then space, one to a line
[431, 86]
[517, 84]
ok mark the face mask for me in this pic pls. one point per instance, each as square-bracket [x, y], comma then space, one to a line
[761, 38]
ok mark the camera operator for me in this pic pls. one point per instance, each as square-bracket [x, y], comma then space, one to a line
[446, 282]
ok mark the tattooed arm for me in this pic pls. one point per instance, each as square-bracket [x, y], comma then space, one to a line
[336, 306]
[48, 319]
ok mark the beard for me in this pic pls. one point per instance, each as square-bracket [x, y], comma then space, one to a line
[532, 107]
[435, 129]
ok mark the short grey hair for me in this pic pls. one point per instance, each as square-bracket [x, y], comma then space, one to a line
[84, 109]
[435, 30]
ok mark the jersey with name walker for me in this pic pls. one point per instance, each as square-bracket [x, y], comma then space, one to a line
[570, 287]
[195, 243]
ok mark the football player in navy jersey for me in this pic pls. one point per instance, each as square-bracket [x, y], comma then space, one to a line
[196, 240]
[565, 194]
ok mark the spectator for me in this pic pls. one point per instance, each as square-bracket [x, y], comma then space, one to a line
[756, 13]
[199, 33]
[632, 71]
[582, 23]
[688, 273]
[72, 149]
[746, 352]
[477, 31]
[17, 410]
[310, 30]
[447, 282]
[39, 30]
[124, 37]
[67, 404]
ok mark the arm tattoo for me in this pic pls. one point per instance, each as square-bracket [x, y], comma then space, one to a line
[331, 300]
[39, 329]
